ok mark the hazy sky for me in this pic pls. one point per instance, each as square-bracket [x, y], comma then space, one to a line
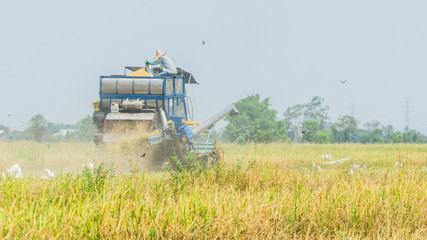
[52, 53]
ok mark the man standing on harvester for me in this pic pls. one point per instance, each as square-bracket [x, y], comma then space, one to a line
[166, 64]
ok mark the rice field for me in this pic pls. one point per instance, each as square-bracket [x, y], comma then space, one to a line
[262, 191]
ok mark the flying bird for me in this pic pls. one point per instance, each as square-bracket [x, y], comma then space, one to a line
[343, 81]
[8, 115]
[203, 42]
[304, 131]
[337, 161]
[1, 131]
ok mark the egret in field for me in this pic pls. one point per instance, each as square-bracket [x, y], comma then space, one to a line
[355, 166]
[317, 167]
[398, 165]
[88, 166]
[15, 170]
[326, 155]
[337, 161]
[49, 174]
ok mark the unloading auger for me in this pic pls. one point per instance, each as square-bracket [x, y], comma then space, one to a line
[156, 105]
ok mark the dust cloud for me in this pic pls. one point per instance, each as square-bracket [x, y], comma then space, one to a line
[131, 151]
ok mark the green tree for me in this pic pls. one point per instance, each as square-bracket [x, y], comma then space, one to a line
[406, 137]
[85, 130]
[310, 128]
[364, 137]
[387, 131]
[322, 137]
[336, 134]
[315, 110]
[256, 122]
[346, 125]
[294, 117]
[396, 138]
[415, 137]
[38, 128]
[373, 133]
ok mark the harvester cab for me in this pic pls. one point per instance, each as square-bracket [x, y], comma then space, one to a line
[138, 102]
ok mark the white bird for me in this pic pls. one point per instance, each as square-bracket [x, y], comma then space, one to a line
[351, 171]
[317, 167]
[15, 169]
[397, 164]
[326, 155]
[49, 173]
[88, 166]
[364, 167]
[355, 166]
[337, 161]
[1, 131]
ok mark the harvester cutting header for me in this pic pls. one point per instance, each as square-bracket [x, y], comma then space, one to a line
[142, 100]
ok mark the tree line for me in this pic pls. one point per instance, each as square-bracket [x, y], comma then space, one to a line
[308, 122]
[40, 130]
[256, 122]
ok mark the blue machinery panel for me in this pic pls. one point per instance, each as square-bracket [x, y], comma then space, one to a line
[172, 102]
[162, 100]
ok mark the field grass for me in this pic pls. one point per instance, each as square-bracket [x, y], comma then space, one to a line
[258, 192]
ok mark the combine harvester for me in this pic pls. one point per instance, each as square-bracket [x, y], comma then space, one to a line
[140, 102]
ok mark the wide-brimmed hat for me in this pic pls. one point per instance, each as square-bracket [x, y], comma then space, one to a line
[159, 53]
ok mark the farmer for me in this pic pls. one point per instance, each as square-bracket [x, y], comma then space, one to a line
[168, 68]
